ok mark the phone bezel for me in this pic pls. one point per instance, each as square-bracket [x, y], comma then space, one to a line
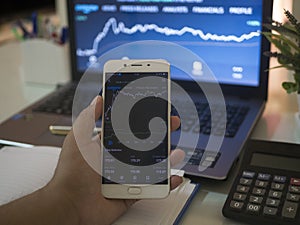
[121, 191]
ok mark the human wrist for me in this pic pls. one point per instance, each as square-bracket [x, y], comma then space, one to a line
[45, 206]
[63, 208]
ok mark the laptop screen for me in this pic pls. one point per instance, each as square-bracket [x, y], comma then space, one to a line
[224, 34]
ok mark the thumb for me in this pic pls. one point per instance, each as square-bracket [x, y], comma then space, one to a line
[83, 127]
[97, 104]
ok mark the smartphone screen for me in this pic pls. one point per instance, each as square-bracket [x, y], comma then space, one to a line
[144, 167]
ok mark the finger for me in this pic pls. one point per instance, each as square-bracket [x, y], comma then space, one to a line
[175, 123]
[176, 157]
[83, 128]
[83, 131]
[98, 107]
[175, 181]
[129, 202]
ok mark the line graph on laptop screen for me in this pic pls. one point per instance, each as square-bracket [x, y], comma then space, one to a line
[225, 34]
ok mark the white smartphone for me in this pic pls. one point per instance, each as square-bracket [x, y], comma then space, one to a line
[136, 129]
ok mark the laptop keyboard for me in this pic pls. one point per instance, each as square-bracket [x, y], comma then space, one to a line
[235, 115]
[199, 157]
[234, 118]
[59, 103]
[202, 158]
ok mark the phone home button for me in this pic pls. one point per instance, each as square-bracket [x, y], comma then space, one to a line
[134, 190]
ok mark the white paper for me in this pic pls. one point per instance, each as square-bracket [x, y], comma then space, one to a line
[25, 170]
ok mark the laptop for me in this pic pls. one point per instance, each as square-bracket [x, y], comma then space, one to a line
[228, 40]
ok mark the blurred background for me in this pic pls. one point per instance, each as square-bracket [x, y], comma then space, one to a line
[14, 8]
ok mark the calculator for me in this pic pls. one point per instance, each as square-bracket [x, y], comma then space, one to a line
[267, 187]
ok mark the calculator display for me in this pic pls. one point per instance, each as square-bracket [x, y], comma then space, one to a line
[275, 162]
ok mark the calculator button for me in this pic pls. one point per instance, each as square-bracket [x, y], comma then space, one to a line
[270, 211]
[277, 186]
[279, 179]
[289, 209]
[259, 191]
[253, 208]
[263, 176]
[272, 202]
[248, 174]
[261, 184]
[242, 189]
[295, 181]
[245, 181]
[293, 197]
[255, 199]
[236, 205]
[239, 197]
[294, 189]
[275, 194]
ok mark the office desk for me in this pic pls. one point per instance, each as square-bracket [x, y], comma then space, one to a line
[277, 123]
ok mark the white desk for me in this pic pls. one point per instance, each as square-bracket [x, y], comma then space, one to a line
[277, 123]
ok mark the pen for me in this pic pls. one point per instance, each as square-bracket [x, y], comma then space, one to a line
[64, 35]
[64, 130]
[41, 27]
[47, 28]
[34, 24]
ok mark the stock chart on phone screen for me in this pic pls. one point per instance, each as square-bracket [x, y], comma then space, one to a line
[144, 167]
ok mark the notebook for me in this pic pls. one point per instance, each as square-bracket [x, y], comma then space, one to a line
[224, 34]
[25, 170]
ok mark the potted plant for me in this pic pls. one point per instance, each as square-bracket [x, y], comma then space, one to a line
[286, 38]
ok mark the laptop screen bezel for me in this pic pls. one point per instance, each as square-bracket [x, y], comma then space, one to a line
[260, 92]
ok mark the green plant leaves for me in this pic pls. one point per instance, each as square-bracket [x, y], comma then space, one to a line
[290, 87]
[286, 38]
[283, 43]
[285, 30]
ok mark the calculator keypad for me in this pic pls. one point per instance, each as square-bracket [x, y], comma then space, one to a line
[262, 193]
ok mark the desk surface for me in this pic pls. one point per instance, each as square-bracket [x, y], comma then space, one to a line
[277, 123]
